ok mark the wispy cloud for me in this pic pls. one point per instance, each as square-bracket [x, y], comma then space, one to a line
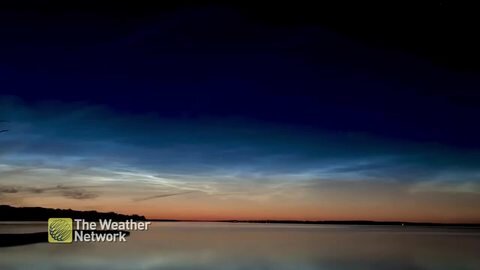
[86, 155]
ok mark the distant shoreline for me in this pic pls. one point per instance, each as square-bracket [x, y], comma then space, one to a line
[333, 222]
[40, 214]
[294, 222]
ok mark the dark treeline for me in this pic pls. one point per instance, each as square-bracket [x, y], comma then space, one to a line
[10, 213]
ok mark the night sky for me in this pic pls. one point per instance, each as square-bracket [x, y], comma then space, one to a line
[241, 111]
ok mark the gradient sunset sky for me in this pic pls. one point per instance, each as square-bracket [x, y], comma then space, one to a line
[204, 112]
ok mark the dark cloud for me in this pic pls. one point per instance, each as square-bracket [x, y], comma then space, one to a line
[6, 189]
[78, 194]
[72, 192]
[161, 196]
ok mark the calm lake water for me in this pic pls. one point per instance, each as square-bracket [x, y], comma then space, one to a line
[256, 246]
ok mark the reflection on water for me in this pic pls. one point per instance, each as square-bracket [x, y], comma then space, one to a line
[256, 246]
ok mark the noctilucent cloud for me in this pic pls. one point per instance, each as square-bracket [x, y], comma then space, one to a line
[185, 118]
